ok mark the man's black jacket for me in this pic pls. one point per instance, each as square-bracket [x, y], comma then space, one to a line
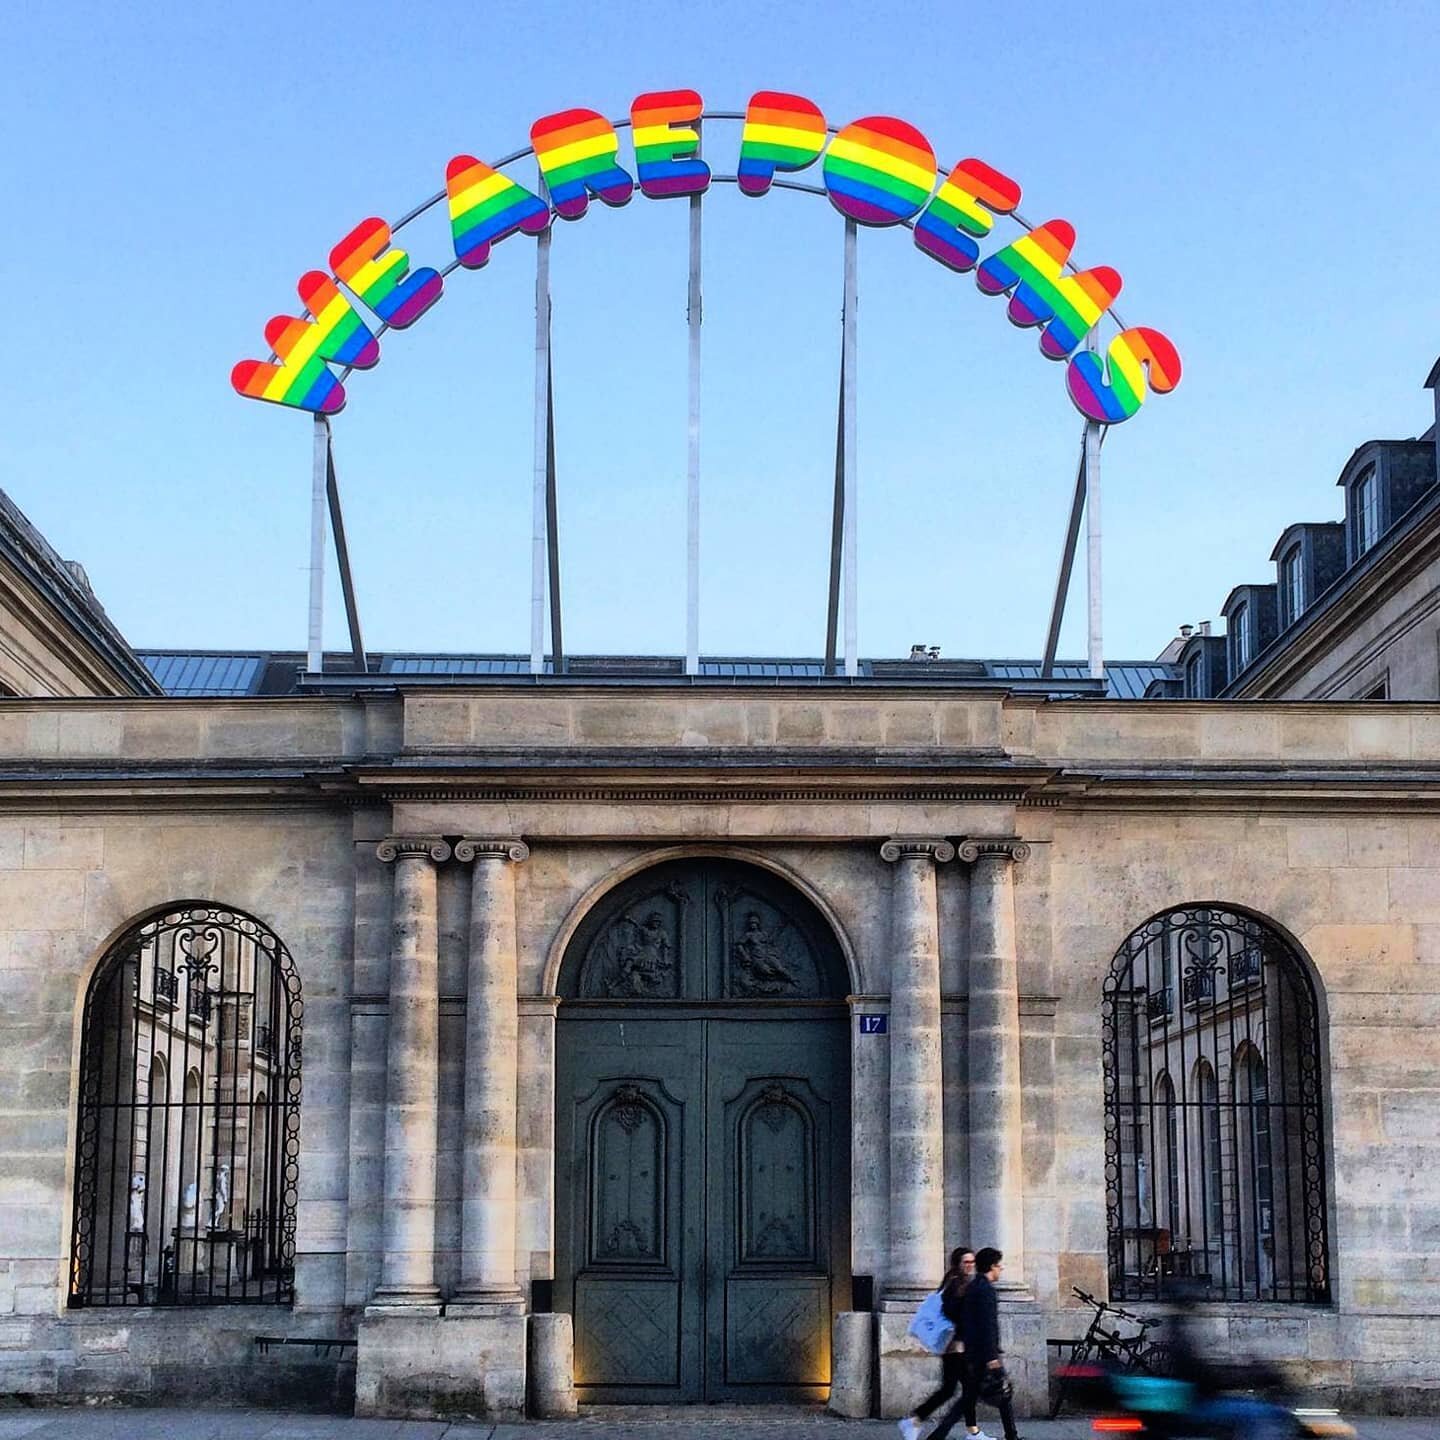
[980, 1322]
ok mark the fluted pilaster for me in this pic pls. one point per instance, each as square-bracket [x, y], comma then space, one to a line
[917, 1171]
[489, 1206]
[407, 1278]
[997, 1186]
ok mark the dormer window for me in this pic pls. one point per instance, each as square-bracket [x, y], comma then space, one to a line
[1292, 586]
[1367, 511]
[1193, 686]
[1240, 642]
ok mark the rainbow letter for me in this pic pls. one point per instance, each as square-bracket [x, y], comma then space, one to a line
[782, 132]
[1132, 354]
[380, 282]
[955, 214]
[879, 170]
[1067, 305]
[576, 150]
[485, 207]
[666, 148]
[303, 345]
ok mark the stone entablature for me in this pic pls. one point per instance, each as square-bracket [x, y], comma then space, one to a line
[978, 881]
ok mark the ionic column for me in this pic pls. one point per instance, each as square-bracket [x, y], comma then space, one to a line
[917, 1170]
[412, 1061]
[997, 1185]
[489, 1207]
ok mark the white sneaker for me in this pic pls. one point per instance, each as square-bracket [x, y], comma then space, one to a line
[979, 1435]
[909, 1428]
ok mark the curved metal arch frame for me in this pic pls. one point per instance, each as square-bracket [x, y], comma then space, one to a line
[778, 183]
[1276, 947]
[183, 918]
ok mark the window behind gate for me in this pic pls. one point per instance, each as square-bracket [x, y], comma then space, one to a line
[1214, 1133]
[189, 1118]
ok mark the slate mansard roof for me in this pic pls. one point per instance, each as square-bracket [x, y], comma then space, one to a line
[215, 673]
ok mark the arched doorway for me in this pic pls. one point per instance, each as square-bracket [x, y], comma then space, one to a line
[702, 1149]
[1214, 1112]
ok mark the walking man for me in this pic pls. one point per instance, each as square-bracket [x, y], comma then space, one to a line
[980, 1332]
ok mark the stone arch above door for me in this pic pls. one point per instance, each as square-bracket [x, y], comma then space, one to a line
[704, 928]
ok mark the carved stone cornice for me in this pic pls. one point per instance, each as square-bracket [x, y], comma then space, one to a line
[906, 847]
[470, 849]
[1005, 847]
[410, 847]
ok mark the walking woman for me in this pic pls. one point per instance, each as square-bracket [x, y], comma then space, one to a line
[952, 1362]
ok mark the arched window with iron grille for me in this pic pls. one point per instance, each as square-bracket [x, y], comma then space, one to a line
[1214, 1113]
[189, 1116]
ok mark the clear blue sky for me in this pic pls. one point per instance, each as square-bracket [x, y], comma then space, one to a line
[1262, 176]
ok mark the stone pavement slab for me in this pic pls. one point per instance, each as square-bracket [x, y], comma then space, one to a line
[701, 1422]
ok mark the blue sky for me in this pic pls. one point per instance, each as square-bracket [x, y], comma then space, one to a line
[1262, 177]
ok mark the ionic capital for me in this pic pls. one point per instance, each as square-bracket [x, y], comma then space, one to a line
[1002, 847]
[470, 849]
[904, 847]
[411, 847]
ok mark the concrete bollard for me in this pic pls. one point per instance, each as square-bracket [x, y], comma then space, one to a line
[853, 1365]
[552, 1367]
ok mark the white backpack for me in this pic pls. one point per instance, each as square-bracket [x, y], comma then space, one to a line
[930, 1327]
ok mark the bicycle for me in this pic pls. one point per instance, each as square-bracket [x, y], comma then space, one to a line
[1133, 1353]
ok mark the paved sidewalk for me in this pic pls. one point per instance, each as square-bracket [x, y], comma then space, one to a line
[598, 1423]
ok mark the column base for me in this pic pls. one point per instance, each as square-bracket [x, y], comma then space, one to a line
[907, 1374]
[430, 1367]
[406, 1302]
[482, 1303]
[903, 1297]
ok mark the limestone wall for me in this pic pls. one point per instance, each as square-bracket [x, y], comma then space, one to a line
[70, 883]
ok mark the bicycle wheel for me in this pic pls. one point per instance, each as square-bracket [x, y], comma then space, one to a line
[1156, 1358]
[1080, 1352]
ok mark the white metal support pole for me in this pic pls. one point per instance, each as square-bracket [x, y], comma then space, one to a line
[1093, 435]
[538, 526]
[848, 347]
[1096, 647]
[692, 470]
[319, 499]
[1093, 432]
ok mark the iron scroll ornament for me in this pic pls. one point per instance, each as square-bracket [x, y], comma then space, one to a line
[877, 171]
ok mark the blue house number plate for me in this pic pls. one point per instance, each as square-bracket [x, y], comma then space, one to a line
[874, 1024]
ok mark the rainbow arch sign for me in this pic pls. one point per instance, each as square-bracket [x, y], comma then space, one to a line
[878, 171]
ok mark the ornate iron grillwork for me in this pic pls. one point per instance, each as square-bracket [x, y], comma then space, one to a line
[189, 1135]
[1214, 1120]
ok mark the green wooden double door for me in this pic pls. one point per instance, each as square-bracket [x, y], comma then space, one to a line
[702, 1142]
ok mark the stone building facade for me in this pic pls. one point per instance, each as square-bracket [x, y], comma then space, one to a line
[55, 637]
[1353, 610]
[695, 1010]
